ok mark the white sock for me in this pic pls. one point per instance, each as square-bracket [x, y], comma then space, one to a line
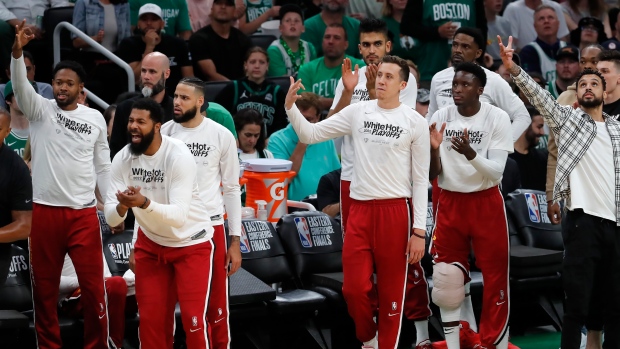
[467, 309]
[451, 333]
[421, 330]
[503, 344]
[371, 343]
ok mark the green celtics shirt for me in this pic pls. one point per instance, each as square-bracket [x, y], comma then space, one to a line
[433, 56]
[315, 28]
[404, 47]
[255, 8]
[175, 13]
[16, 140]
[318, 78]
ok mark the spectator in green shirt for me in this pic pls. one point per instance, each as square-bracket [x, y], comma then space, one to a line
[332, 13]
[322, 74]
[175, 15]
[289, 52]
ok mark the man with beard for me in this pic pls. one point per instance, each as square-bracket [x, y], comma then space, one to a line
[532, 162]
[567, 70]
[332, 12]
[470, 142]
[588, 140]
[173, 250]
[219, 48]
[69, 151]
[215, 153]
[151, 39]
[155, 70]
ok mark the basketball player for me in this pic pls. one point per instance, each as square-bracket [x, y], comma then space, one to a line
[173, 252]
[469, 152]
[69, 151]
[215, 153]
[390, 169]
[360, 86]
[588, 142]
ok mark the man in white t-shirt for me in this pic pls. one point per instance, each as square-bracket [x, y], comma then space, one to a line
[470, 142]
[156, 177]
[360, 86]
[520, 14]
[588, 143]
[70, 154]
[390, 171]
[215, 153]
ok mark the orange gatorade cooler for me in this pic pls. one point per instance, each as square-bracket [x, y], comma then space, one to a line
[268, 180]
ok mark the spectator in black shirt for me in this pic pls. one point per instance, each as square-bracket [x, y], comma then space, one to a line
[151, 39]
[532, 162]
[15, 197]
[154, 74]
[218, 49]
[328, 193]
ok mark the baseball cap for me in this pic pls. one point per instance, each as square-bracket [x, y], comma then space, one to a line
[150, 8]
[228, 2]
[8, 89]
[424, 95]
[568, 52]
[291, 8]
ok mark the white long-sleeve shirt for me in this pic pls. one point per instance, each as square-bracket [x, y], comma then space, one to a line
[176, 215]
[69, 148]
[488, 130]
[408, 97]
[215, 152]
[497, 92]
[392, 151]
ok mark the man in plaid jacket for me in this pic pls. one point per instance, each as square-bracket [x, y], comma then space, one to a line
[588, 178]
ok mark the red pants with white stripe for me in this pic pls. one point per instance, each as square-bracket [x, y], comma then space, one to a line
[163, 273]
[217, 310]
[377, 236]
[417, 302]
[116, 290]
[55, 232]
[477, 220]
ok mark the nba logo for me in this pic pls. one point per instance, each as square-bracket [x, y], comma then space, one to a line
[532, 207]
[112, 249]
[304, 232]
[245, 243]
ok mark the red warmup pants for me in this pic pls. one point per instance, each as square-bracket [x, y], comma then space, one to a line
[478, 220]
[417, 302]
[377, 236]
[116, 290]
[163, 273]
[217, 310]
[55, 232]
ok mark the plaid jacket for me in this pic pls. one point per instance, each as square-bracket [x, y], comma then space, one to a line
[574, 132]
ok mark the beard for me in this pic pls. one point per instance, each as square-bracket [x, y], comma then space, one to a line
[595, 102]
[187, 116]
[145, 143]
[66, 102]
[152, 91]
[531, 138]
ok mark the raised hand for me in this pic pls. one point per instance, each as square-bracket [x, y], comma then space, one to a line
[371, 76]
[23, 35]
[461, 145]
[436, 136]
[506, 53]
[349, 78]
[291, 95]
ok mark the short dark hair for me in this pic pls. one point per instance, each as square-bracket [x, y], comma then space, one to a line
[374, 25]
[28, 55]
[474, 33]
[309, 100]
[195, 82]
[589, 71]
[249, 116]
[155, 110]
[107, 114]
[338, 25]
[71, 65]
[533, 111]
[404, 67]
[473, 69]
[610, 56]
